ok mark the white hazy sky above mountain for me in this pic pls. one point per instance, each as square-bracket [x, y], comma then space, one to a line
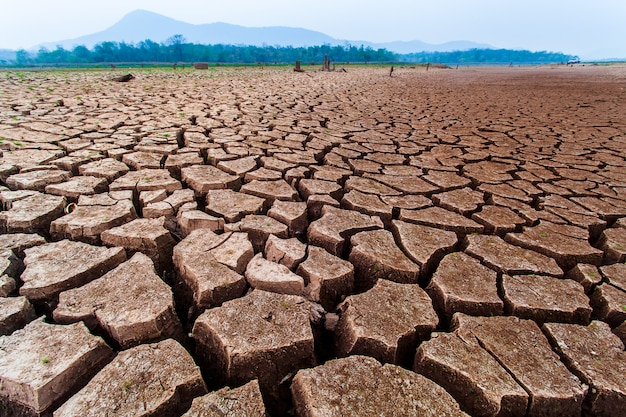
[584, 27]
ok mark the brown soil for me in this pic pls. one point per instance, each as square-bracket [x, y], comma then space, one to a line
[464, 225]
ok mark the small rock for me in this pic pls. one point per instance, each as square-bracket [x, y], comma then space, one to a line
[123, 78]
[7, 285]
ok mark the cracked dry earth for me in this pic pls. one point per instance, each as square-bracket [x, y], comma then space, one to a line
[254, 241]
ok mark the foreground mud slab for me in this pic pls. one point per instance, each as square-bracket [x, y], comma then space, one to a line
[158, 380]
[243, 401]
[394, 391]
[42, 363]
[464, 226]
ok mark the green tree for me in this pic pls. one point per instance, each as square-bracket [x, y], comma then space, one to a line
[176, 42]
[81, 54]
[22, 58]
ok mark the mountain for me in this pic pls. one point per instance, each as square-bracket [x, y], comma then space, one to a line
[141, 25]
[419, 46]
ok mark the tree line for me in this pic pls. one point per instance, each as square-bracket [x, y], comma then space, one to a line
[487, 56]
[177, 50]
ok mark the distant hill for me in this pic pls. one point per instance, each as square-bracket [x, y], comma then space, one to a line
[419, 46]
[141, 25]
[7, 55]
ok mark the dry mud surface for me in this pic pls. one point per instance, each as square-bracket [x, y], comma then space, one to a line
[254, 241]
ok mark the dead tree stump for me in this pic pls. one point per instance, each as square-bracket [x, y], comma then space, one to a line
[298, 68]
[326, 63]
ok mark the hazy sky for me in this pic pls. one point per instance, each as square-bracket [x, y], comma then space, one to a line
[591, 28]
